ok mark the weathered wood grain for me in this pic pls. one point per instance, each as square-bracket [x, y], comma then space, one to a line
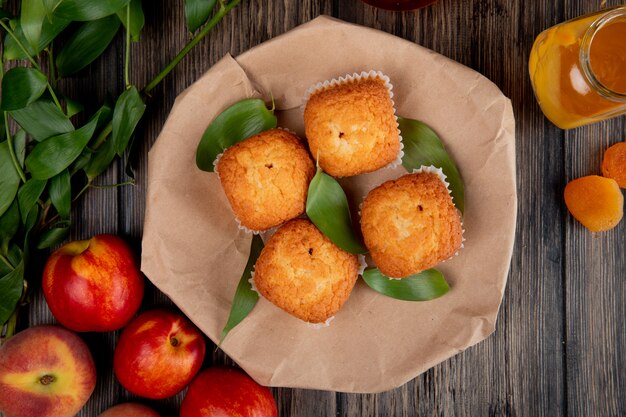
[560, 340]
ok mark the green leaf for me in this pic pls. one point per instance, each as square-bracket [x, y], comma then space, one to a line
[21, 86]
[73, 107]
[7, 267]
[128, 111]
[82, 160]
[422, 146]
[9, 178]
[100, 160]
[14, 257]
[137, 19]
[245, 297]
[61, 193]
[33, 14]
[50, 157]
[427, 285]
[9, 225]
[11, 287]
[49, 30]
[42, 119]
[88, 43]
[53, 237]
[50, 5]
[238, 122]
[327, 207]
[95, 162]
[29, 228]
[104, 114]
[85, 10]
[19, 146]
[28, 195]
[197, 13]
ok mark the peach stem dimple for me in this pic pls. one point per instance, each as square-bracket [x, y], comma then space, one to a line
[76, 248]
[47, 379]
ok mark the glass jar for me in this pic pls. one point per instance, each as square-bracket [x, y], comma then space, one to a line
[398, 5]
[578, 69]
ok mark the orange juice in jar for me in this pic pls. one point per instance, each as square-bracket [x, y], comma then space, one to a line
[578, 69]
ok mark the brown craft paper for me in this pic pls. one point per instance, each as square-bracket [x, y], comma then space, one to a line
[194, 252]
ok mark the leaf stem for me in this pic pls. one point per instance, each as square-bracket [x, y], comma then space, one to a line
[10, 326]
[121, 184]
[18, 168]
[224, 9]
[11, 323]
[54, 97]
[32, 61]
[127, 56]
[51, 66]
[82, 191]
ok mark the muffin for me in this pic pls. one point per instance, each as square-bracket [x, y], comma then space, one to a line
[410, 224]
[351, 126]
[301, 271]
[266, 178]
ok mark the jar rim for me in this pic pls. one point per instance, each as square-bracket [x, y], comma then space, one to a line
[585, 49]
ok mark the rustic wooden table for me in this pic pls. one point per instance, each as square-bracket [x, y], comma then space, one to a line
[560, 342]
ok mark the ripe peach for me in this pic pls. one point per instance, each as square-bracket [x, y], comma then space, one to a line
[45, 371]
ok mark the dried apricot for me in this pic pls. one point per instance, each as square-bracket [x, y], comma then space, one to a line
[614, 163]
[595, 201]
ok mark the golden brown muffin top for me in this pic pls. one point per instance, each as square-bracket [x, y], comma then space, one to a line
[352, 127]
[301, 271]
[266, 178]
[410, 224]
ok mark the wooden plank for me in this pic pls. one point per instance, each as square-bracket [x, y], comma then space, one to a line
[595, 288]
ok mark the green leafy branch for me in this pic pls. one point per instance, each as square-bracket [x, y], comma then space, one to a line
[48, 158]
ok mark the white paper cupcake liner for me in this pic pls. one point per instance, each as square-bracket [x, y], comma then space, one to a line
[431, 169]
[215, 162]
[286, 129]
[318, 326]
[364, 75]
[362, 264]
[251, 281]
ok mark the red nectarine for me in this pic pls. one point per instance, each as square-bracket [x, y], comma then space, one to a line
[218, 392]
[130, 410]
[158, 354]
[93, 285]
